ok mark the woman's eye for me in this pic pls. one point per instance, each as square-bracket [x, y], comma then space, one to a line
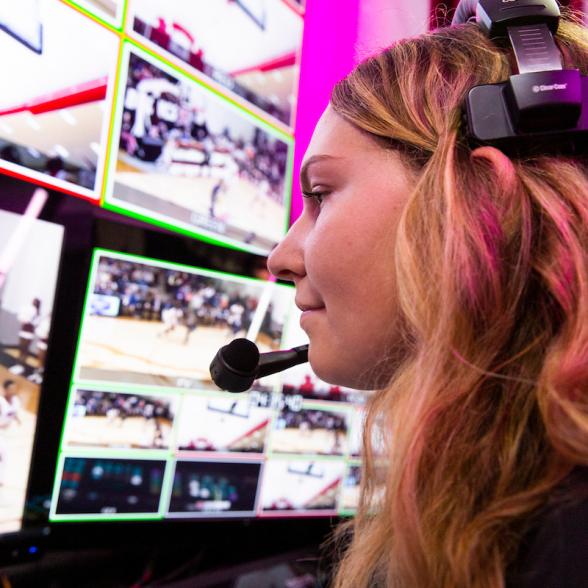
[316, 196]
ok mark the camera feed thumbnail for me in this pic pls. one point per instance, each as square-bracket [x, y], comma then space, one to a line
[250, 47]
[222, 425]
[300, 486]
[350, 489]
[53, 115]
[120, 420]
[109, 486]
[212, 488]
[190, 159]
[310, 431]
[30, 252]
[157, 324]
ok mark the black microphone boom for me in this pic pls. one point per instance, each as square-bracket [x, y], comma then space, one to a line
[236, 365]
[278, 361]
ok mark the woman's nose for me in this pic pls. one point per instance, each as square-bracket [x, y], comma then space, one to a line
[286, 261]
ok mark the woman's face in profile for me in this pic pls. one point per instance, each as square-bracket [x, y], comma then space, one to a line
[340, 251]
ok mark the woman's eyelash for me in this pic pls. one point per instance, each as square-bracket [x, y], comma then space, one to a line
[316, 196]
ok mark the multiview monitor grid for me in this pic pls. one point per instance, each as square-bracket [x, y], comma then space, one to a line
[148, 436]
[177, 113]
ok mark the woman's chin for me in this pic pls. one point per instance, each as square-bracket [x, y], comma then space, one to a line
[333, 370]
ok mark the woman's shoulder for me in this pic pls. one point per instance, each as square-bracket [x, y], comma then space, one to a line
[554, 553]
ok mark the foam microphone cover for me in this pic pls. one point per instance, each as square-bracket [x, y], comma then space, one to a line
[234, 367]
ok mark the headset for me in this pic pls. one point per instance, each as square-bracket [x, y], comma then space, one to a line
[543, 107]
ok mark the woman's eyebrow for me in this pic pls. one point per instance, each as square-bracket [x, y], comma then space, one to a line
[310, 161]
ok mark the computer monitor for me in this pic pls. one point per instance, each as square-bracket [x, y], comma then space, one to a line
[133, 440]
[30, 253]
[181, 115]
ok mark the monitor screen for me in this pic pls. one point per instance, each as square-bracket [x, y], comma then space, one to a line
[327, 420]
[192, 161]
[147, 435]
[53, 119]
[30, 253]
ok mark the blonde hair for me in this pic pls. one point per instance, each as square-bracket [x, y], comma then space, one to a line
[488, 411]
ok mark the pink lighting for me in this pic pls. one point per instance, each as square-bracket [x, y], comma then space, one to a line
[328, 53]
[337, 35]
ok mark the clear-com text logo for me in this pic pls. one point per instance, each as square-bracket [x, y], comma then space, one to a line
[549, 87]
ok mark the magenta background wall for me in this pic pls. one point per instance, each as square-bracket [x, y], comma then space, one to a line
[328, 53]
[337, 35]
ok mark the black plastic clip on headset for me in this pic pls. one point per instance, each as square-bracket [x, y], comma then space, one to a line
[543, 105]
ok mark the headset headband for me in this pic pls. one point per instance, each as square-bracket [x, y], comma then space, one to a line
[541, 106]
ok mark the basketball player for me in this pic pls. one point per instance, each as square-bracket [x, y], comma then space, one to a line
[29, 317]
[42, 336]
[214, 194]
[235, 319]
[10, 402]
[171, 318]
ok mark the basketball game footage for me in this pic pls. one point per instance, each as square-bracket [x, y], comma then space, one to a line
[153, 324]
[190, 158]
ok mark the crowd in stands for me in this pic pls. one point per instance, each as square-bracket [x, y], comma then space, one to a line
[149, 293]
[167, 37]
[121, 406]
[308, 419]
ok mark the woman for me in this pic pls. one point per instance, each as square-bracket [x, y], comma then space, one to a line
[455, 280]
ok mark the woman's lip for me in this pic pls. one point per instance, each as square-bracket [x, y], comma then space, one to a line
[304, 307]
[307, 313]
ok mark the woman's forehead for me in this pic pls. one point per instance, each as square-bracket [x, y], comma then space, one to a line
[334, 136]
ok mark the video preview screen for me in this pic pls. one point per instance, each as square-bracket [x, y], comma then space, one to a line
[147, 434]
[189, 159]
[30, 251]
